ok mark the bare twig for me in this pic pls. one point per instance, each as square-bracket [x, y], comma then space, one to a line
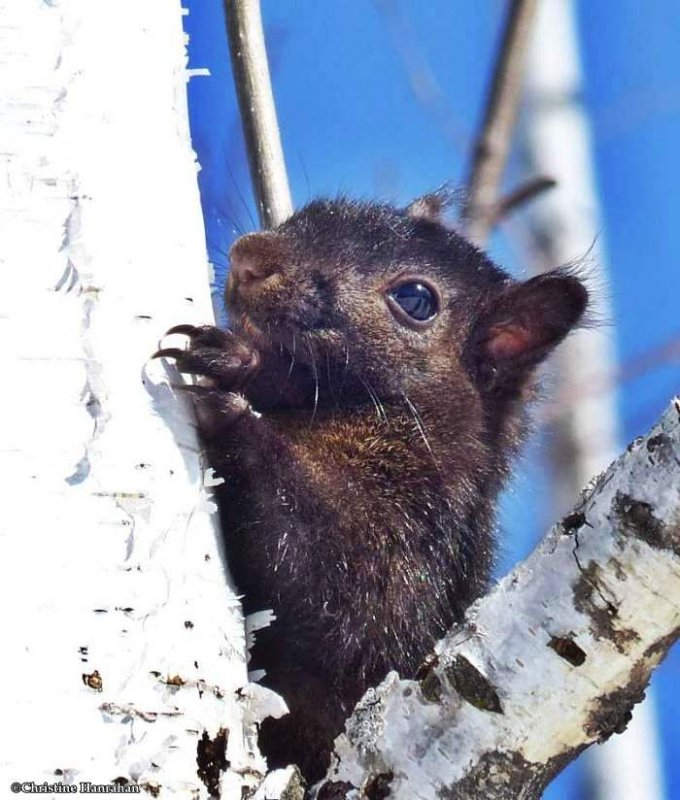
[258, 113]
[493, 143]
[522, 194]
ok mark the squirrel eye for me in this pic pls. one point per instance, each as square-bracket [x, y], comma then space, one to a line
[417, 300]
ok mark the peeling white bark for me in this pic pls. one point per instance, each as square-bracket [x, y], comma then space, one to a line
[123, 641]
[549, 662]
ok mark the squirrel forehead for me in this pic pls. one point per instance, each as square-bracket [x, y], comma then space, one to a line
[340, 235]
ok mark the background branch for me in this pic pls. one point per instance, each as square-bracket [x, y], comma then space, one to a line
[522, 194]
[258, 112]
[493, 142]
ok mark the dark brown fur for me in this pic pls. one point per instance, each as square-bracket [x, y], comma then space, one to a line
[358, 503]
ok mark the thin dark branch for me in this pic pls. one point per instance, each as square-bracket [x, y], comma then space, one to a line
[258, 113]
[522, 194]
[493, 142]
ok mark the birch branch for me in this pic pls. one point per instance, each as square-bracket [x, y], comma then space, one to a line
[495, 137]
[258, 112]
[551, 661]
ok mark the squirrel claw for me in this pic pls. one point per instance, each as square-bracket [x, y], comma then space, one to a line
[186, 330]
[219, 357]
[203, 335]
[169, 352]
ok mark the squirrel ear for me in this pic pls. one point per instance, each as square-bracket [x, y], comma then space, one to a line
[431, 207]
[527, 321]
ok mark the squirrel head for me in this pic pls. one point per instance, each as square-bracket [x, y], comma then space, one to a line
[365, 292]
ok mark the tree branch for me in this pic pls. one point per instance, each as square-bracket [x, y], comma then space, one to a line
[522, 194]
[258, 112]
[495, 136]
[550, 661]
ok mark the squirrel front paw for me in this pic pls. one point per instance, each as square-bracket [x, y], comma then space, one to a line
[224, 359]
[224, 363]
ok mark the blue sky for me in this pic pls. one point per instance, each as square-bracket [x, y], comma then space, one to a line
[351, 122]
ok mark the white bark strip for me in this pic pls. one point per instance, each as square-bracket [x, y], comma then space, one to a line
[123, 643]
[549, 662]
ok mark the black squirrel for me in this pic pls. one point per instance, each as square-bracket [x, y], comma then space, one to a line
[363, 411]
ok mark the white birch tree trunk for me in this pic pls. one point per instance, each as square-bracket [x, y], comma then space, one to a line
[558, 139]
[123, 642]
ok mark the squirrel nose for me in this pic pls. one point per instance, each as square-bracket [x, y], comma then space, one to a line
[249, 271]
[253, 259]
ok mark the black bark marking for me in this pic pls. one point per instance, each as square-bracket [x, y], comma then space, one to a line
[637, 519]
[566, 648]
[603, 615]
[336, 790]
[661, 450]
[573, 522]
[211, 758]
[655, 442]
[472, 685]
[378, 787]
[659, 649]
[507, 776]
[613, 711]
[431, 687]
